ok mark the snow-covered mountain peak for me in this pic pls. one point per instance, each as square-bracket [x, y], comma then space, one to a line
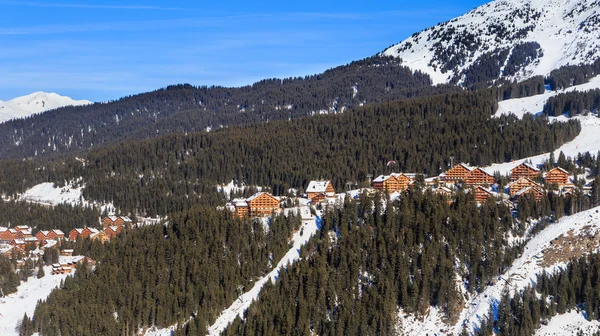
[34, 103]
[512, 39]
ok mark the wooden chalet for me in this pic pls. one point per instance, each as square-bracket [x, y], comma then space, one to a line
[557, 176]
[84, 233]
[456, 173]
[320, 187]
[74, 234]
[520, 184]
[116, 221]
[479, 177]
[241, 208]
[262, 204]
[317, 198]
[113, 231]
[524, 170]
[482, 194]
[9, 234]
[392, 183]
[66, 253]
[19, 244]
[100, 236]
[537, 193]
[24, 231]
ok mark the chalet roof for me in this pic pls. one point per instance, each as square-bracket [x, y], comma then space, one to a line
[68, 250]
[2, 229]
[317, 186]
[559, 169]
[113, 218]
[78, 230]
[94, 231]
[126, 219]
[528, 165]
[45, 233]
[239, 202]
[58, 232]
[257, 195]
[526, 190]
[484, 170]
[484, 189]
[18, 241]
[31, 239]
[383, 178]
[521, 180]
[22, 227]
[444, 189]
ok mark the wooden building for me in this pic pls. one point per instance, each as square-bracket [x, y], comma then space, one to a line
[262, 204]
[84, 233]
[116, 221]
[241, 208]
[533, 191]
[317, 198]
[520, 184]
[9, 234]
[478, 176]
[524, 170]
[482, 194]
[557, 176]
[320, 187]
[392, 183]
[113, 231]
[74, 234]
[100, 236]
[456, 173]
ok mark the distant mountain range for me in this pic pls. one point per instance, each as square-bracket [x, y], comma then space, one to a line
[505, 39]
[35, 103]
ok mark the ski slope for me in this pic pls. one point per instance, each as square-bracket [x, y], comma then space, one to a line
[568, 324]
[14, 306]
[586, 141]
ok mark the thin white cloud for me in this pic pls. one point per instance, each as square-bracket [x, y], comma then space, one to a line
[90, 6]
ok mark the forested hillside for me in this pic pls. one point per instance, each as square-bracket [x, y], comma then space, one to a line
[159, 275]
[175, 172]
[184, 108]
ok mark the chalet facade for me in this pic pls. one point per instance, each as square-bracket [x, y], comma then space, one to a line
[557, 176]
[320, 187]
[113, 231]
[482, 194]
[392, 183]
[116, 221]
[83, 233]
[537, 193]
[524, 170]
[520, 184]
[479, 177]
[456, 174]
[262, 204]
[9, 234]
[100, 236]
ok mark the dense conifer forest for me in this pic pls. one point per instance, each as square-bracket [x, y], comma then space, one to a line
[185, 108]
[38, 217]
[160, 275]
[573, 103]
[172, 173]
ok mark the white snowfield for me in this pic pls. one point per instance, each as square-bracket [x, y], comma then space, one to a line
[51, 195]
[587, 141]
[565, 30]
[568, 324]
[525, 269]
[14, 306]
[300, 238]
[35, 103]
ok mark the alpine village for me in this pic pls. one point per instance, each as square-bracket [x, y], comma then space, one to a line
[444, 181]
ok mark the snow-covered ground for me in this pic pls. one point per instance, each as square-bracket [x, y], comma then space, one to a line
[50, 194]
[307, 230]
[14, 306]
[586, 141]
[232, 187]
[35, 103]
[564, 29]
[568, 324]
[525, 269]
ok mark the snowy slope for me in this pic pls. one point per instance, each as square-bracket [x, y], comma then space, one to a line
[568, 324]
[14, 306]
[586, 141]
[34, 103]
[524, 270]
[554, 33]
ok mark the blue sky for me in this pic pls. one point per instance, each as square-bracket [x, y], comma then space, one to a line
[102, 50]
